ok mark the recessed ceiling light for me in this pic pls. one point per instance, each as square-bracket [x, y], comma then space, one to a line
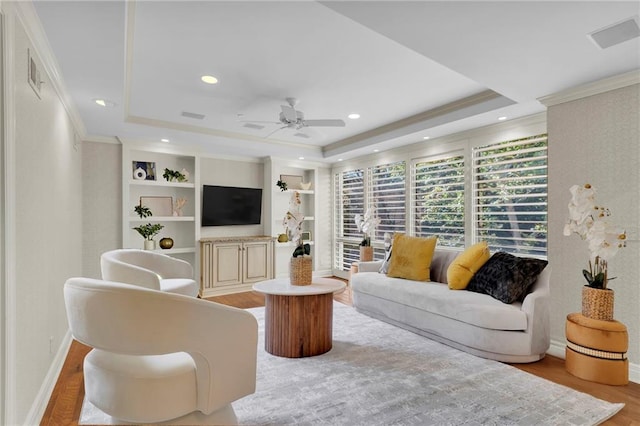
[300, 158]
[104, 103]
[425, 137]
[209, 79]
[354, 116]
[164, 140]
[376, 150]
[339, 159]
[502, 118]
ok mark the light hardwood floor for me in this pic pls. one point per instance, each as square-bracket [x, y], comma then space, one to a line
[66, 399]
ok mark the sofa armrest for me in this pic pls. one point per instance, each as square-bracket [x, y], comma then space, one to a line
[373, 266]
[537, 307]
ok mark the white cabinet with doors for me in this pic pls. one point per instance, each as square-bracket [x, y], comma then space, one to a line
[232, 264]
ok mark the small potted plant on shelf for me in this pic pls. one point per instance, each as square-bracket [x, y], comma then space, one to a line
[300, 266]
[175, 176]
[367, 225]
[149, 230]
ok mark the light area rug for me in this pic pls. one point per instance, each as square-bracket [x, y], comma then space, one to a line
[378, 374]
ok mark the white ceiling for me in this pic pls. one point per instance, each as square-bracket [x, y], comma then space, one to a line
[410, 69]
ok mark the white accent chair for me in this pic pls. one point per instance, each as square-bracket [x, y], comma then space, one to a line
[159, 356]
[156, 271]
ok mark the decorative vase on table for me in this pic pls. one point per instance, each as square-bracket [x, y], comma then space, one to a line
[366, 253]
[300, 270]
[597, 303]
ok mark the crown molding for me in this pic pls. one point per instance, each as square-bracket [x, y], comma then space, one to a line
[26, 14]
[606, 85]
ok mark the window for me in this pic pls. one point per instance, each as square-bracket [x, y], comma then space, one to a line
[386, 193]
[462, 192]
[348, 201]
[510, 195]
[438, 199]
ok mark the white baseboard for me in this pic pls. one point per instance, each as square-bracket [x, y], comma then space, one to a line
[557, 349]
[34, 416]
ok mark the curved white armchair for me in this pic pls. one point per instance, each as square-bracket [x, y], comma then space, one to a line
[159, 356]
[156, 271]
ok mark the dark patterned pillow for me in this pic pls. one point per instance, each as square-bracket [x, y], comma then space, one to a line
[506, 277]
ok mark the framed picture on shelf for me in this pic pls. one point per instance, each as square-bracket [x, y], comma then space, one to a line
[144, 170]
[159, 206]
[305, 235]
[292, 181]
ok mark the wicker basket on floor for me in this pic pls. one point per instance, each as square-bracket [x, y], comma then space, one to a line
[597, 303]
[300, 270]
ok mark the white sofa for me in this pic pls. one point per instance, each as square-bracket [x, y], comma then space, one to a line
[473, 322]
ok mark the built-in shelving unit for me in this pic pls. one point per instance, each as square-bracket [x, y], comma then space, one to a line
[183, 227]
[276, 203]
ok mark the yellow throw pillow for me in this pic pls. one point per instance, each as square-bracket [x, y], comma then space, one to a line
[464, 267]
[411, 257]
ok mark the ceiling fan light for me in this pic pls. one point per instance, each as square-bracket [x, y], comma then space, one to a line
[209, 79]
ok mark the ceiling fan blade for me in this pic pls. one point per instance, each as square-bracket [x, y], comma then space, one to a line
[276, 130]
[324, 123]
[289, 113]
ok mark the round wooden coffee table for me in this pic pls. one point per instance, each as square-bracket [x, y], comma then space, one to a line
[298, 319]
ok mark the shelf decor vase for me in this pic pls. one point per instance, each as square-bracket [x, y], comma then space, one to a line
[166, 243]
[300, 270]
[597, 303]
[366, 253]
[149, 244]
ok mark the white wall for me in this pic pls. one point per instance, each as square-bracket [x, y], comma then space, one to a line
[596, 140]
[101, 203]
[45, 181]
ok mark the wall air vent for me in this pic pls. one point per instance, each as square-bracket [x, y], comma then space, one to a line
[192, 115]
[253, 126]
[616, 33]
[301, 135]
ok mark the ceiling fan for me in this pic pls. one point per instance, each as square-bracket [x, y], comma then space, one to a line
[290, 118]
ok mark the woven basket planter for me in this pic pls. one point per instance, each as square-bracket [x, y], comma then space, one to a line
[366, 253]
[300, 270]
[597, 303]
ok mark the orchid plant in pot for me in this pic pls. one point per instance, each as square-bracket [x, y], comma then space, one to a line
[300, 265]
[367, 225]
[591, 222]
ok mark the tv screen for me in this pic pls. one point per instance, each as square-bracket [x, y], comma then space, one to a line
[226, 205]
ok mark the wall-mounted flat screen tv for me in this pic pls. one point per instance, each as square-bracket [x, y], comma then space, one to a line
[227, 205]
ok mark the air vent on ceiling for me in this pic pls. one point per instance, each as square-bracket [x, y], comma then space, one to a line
[192, 115]
[616, 33]
[253, 126]
[301, 135]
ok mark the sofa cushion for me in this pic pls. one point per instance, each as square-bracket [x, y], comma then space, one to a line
[411, 257]
[440, 262]
[506, 277]
[477, 309]
[464, 267]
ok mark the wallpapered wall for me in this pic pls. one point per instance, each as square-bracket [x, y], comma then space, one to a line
[101, 203]
[48, 226]
[596, 140]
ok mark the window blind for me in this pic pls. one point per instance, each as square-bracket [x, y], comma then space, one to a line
[348, 201]
[386, 192]
[438, 199]
[510, 195]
